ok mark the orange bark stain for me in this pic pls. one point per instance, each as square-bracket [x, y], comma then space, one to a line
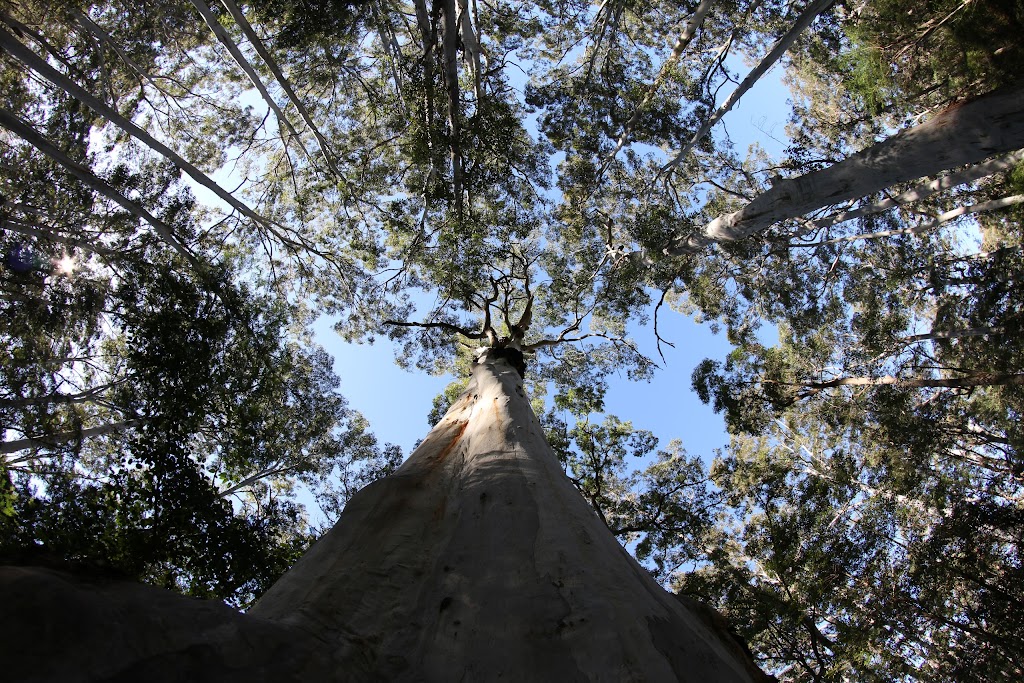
[451, 445]
[497, 414]
[442, 505]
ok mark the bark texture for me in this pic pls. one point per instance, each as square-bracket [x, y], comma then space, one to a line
[476, 561]
[479, 561]
[83, 629]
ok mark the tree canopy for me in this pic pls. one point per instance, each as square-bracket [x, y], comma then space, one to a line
[185, 187]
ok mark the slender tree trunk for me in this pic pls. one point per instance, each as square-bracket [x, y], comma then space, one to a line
[26, 132]
[478, 560]
[695, 22]
[250, 34]
[805, 19]
[925, 189]
[247, 68]
[52, 440]
[450, 70]
[963, 134]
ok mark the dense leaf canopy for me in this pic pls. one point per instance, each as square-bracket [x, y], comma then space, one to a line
[185, 187]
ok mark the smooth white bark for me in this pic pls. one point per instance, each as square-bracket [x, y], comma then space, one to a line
[51, 440]
[478, 560]
[963, 134]
[922, 190]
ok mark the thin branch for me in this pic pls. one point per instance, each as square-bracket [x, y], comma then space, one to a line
[657, 335]
[48, 233]
[449, 327]
[263, 474]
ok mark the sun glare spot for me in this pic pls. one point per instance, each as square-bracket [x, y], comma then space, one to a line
[66, 265]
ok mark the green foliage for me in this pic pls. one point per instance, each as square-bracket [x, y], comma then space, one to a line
[864, 523]
[843, 564]
[211, 398]
[661, 507]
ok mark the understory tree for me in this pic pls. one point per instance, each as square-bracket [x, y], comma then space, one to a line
[505, 192]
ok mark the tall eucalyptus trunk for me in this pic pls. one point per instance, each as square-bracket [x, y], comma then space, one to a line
[478, 560]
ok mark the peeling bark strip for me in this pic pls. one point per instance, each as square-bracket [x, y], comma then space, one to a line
[479, 561]
[963, 134]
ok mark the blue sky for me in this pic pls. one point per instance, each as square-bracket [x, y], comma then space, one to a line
[396, 402]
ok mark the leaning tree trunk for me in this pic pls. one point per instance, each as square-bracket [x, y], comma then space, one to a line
[478, 560]
[966, 133]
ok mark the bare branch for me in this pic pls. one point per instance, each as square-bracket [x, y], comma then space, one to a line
[439, 325]
[657, 335]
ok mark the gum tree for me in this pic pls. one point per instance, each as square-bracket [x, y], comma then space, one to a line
[396, 172]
